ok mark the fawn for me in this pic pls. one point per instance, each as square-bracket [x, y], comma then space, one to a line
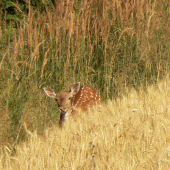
[80, 97]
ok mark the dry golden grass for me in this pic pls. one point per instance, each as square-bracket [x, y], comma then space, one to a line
[109, 37]
[130, 133]
[108, 44]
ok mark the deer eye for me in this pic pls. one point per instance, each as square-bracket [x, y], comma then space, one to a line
[69, 98]
[56, 100]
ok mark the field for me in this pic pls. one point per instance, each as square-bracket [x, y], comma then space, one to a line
[131, 132]
[119, 47]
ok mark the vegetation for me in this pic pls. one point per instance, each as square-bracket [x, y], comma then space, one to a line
[110, 45]
[131, 132]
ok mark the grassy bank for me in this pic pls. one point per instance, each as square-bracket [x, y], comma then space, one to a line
[110, 45]
[129, 133]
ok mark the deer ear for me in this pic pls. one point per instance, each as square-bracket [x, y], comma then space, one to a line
[50, 92]
[75, 88]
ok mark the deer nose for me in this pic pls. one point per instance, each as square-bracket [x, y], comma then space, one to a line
[62, 109]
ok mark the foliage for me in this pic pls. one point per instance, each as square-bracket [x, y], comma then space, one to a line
[109, 45]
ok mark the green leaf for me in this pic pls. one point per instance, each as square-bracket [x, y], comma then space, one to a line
[12, 17]
[9, 4]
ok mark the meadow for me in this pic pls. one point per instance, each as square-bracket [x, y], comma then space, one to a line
[119, 47]
[129, 133]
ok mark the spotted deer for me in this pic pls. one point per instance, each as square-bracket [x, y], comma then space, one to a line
[79, 97]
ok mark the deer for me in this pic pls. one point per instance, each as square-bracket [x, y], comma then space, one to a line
[80, 98]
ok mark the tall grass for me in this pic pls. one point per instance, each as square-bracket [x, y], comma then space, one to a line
[109, 45]
[131, 132]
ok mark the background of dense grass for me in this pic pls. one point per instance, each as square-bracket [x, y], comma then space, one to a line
[109, 45]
